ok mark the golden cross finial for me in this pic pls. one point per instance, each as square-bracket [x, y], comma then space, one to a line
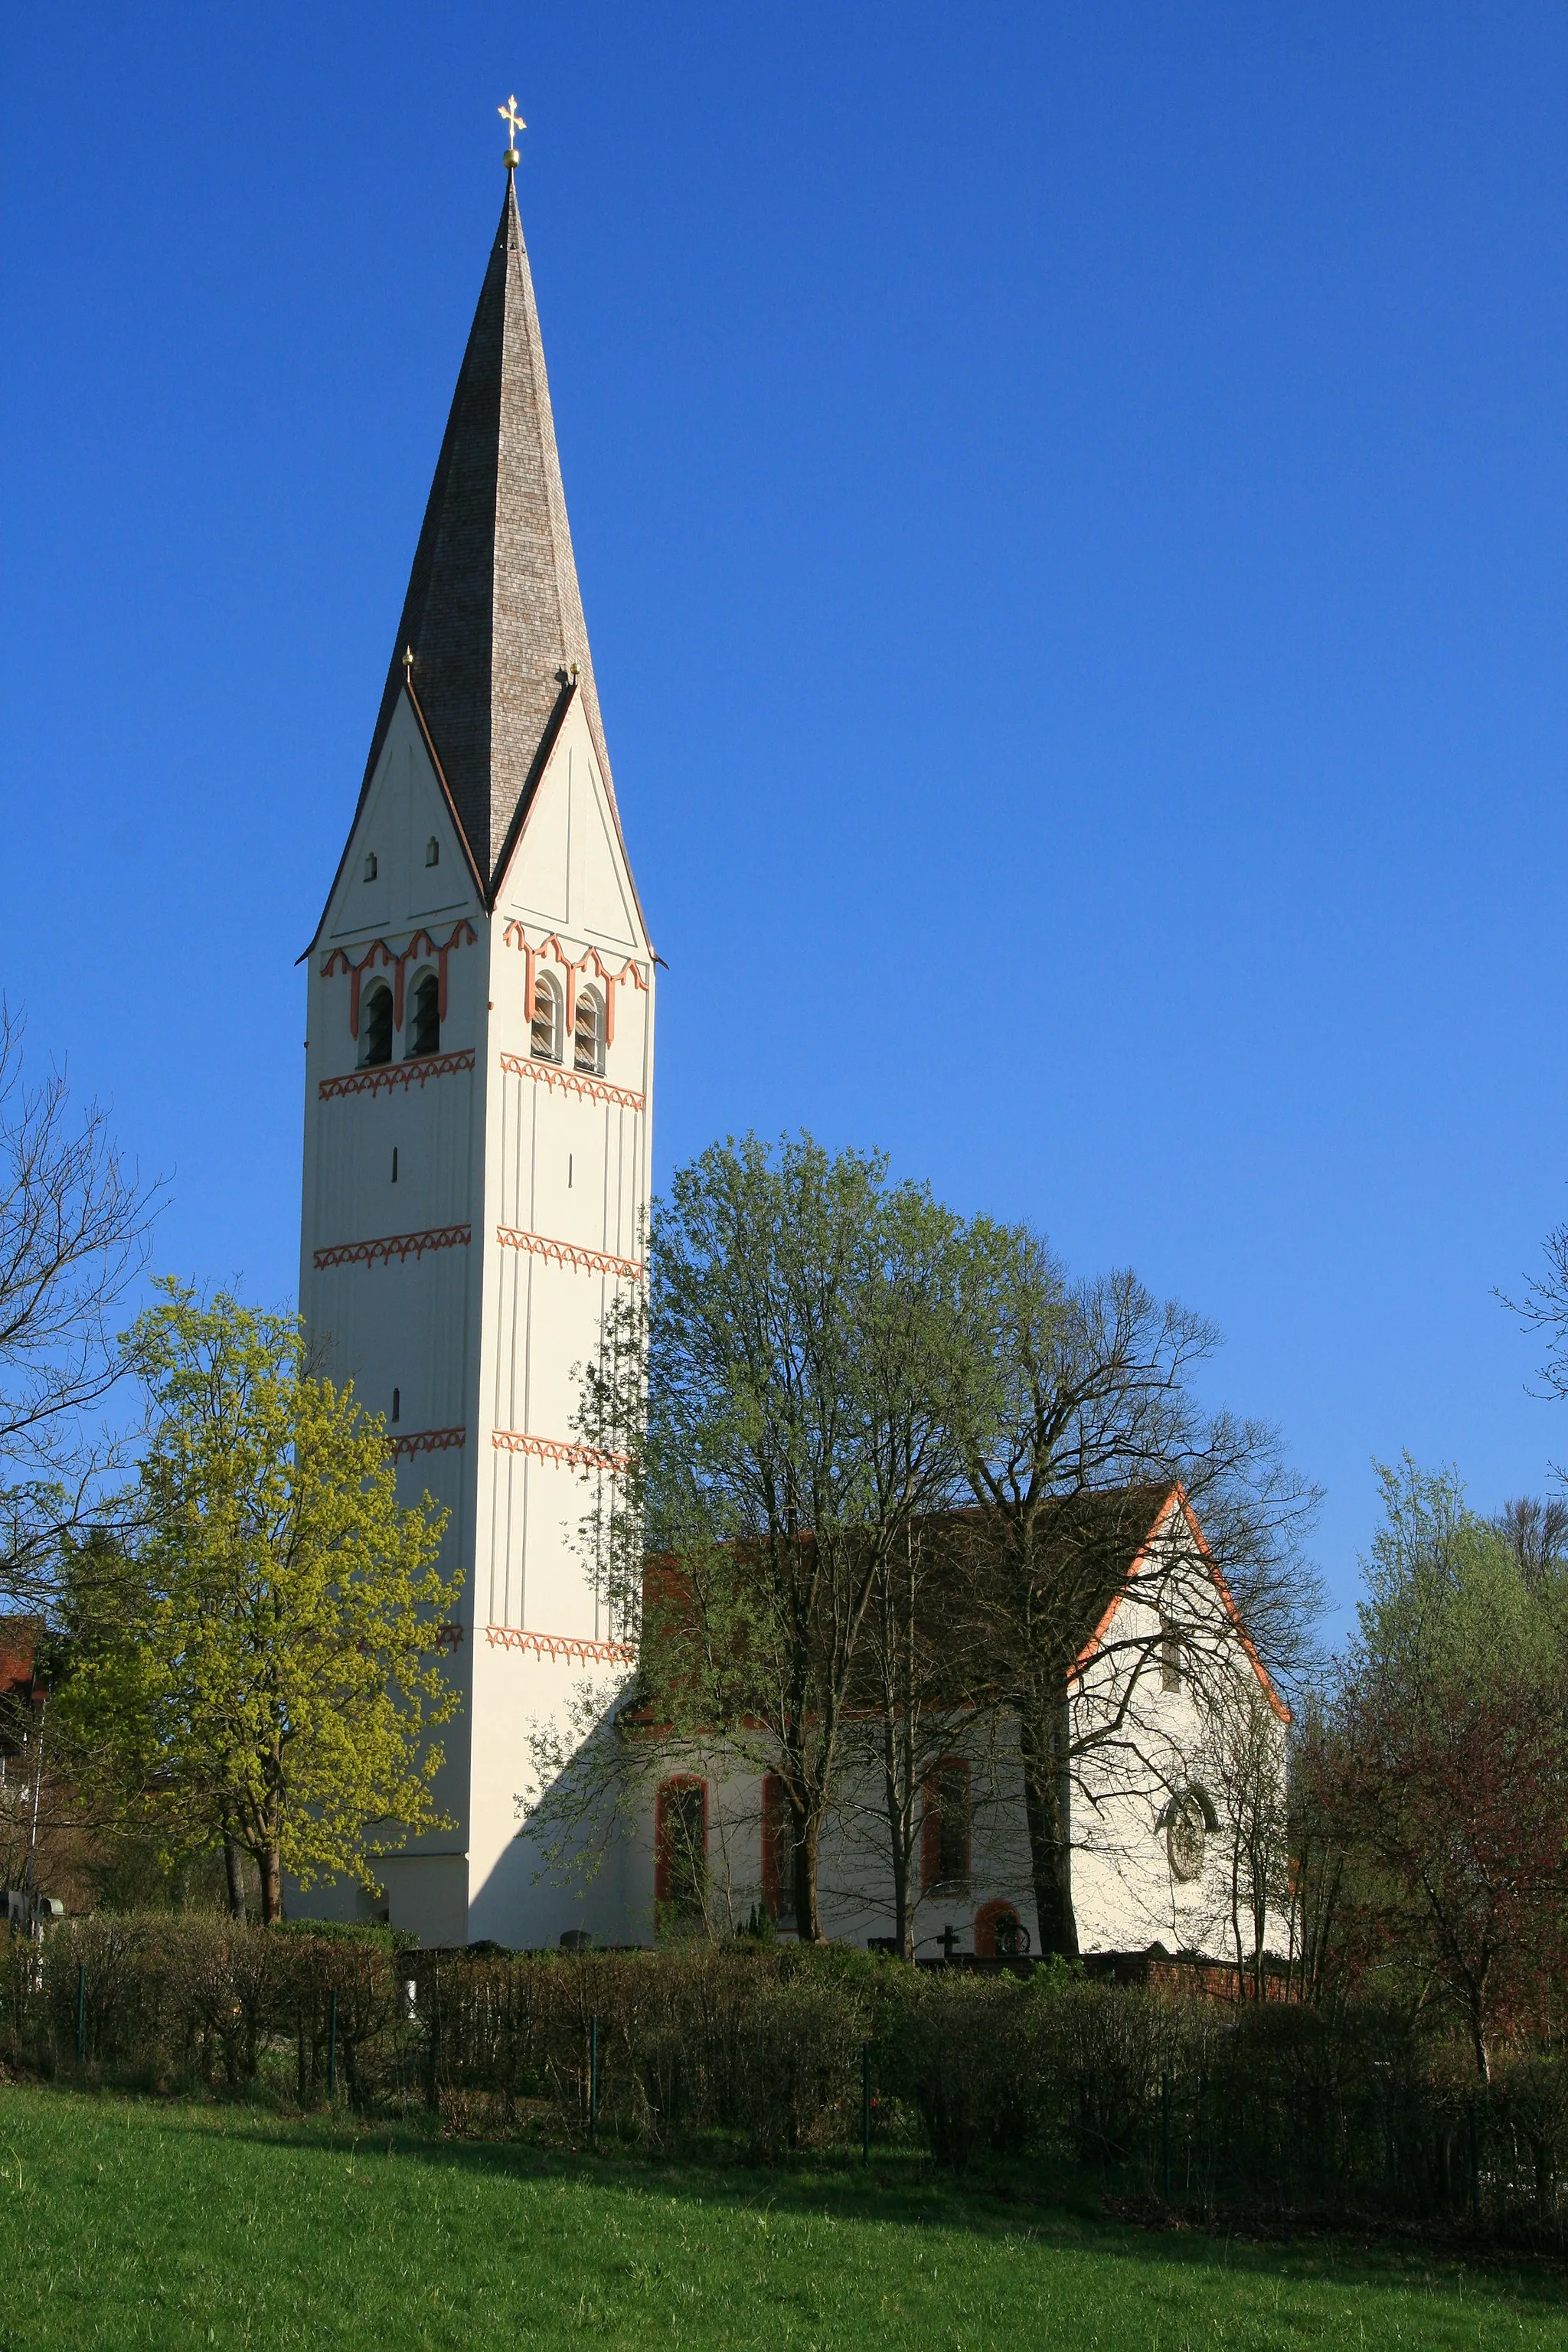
[515, 123]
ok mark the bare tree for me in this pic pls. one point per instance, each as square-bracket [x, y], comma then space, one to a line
[74, 1222]
[1084, 1419]
[1242, 1757]
[1536, 1532]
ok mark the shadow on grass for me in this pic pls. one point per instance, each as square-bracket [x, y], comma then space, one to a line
[1046, 2214]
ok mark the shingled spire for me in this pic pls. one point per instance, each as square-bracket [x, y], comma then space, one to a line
[493, 615]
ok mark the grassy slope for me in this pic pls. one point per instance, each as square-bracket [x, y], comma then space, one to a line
[123, 2223]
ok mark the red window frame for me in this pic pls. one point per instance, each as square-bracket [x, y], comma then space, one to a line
[678, 1784]
[778, 1897]
[946, 1768]
[985, 1923]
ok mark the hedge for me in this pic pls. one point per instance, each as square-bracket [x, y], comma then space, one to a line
[768, 2051]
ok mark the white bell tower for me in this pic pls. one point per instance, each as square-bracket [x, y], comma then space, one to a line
[478, 1100]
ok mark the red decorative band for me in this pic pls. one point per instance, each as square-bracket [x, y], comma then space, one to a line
[572, 1082]
[586, 1260]
[556, 1449]
[396, 1074]
[515, 936]
[427, 1441]
[391, 1245]
[341, 960]
[561, 1645]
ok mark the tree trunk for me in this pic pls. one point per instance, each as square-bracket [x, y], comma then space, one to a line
[898, 1847]
[233, 1866]
[270, 1863]
[807, 1918]
[1042, 1739]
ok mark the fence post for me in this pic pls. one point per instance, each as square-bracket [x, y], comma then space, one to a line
[593, 2078]
[865, 2103]
[1165, 2134]
[433, 2095]
[80, 2011]
[332, 2045]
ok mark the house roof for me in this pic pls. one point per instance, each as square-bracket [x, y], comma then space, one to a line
[493, 615]
[1091, 1548]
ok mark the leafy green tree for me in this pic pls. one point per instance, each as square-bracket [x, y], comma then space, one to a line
[776, 1407]
[256, 1668]
[1444, 1776]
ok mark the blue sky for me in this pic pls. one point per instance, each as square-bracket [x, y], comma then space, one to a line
[1072, 515]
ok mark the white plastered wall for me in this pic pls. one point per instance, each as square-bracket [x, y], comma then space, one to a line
[479, 1336]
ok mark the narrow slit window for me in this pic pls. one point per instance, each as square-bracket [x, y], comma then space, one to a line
[432, 851]
[397, 1402]
[370, 865]
[395, 1163]
[1170, 1656]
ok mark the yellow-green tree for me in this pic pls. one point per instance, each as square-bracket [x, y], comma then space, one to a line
[259, 1665]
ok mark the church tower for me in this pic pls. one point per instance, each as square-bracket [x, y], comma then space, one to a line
[479, 1089]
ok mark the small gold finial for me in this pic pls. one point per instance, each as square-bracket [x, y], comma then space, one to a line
[408, 661]
[515, 123]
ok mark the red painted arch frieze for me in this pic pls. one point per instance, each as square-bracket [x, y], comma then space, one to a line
[392, 1075]
[585, 1261]
[561, 1645]
[555, 1449]
[573, 966]
[570, 1082]
[427, 1441]
[387, 1246]
[396, 960]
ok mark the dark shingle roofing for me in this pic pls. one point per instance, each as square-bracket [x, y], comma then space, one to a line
[493, 613]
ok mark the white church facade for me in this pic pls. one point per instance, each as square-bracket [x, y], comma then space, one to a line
[478, 1096]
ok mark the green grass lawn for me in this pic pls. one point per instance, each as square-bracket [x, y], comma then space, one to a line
[126, 2223]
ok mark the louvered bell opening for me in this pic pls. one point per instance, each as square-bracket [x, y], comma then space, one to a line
[545, 1040]
[588, 1035]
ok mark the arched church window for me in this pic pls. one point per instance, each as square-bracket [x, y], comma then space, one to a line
[680, 1852]
[778, 1849]
[432, 851]
[944, 1827]
[370, 867]
[425, 1019]
[589, 1033]
[376, 1024]
[545, 1040]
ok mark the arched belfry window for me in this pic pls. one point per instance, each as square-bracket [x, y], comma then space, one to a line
[376, 1024]
[589, 1033]
[545, 1038]
[425, 1015]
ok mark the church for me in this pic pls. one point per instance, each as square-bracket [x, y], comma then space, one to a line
[479, 1099]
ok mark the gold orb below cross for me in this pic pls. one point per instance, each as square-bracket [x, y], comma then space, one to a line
[515, 123]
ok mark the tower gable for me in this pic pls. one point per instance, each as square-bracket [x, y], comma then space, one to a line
[404, 809]
[568, 864]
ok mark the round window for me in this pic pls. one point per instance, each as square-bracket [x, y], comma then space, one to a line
[1186, 1828]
